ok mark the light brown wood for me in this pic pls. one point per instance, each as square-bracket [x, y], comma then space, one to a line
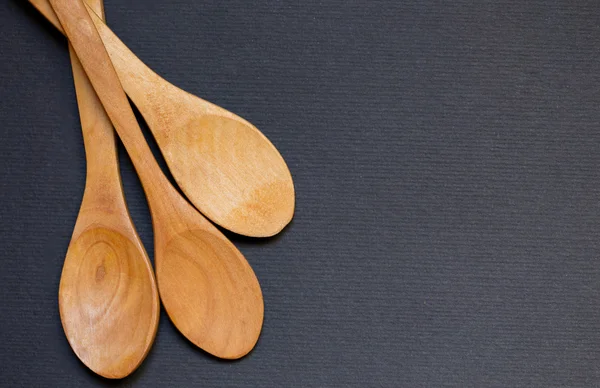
[225, 166]
[207, 287]
[108, 298]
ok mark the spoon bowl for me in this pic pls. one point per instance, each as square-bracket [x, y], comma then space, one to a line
[212, 286]
[107, 306]
[205, 154]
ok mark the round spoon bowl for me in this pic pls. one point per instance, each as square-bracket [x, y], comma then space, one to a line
[222, 165]
[198, 268]
[106, 302]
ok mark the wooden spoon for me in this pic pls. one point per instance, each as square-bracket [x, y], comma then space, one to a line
[206, 285]
[108, 298]
[226, 167]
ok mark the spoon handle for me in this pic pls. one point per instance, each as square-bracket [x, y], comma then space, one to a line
[90, 50]
[100, 147]
[117, 50]
[134, 75]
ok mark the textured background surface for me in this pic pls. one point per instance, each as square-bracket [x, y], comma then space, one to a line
[445, 157]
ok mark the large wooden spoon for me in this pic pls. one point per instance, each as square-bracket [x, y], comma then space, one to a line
[225, 166]
[206, 285]
[108, 298]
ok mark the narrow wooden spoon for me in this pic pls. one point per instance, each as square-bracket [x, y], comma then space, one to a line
[225, 166]
[206, 285]
[108, 298]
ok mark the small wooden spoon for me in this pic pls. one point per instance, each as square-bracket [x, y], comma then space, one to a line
[206, 285]
[108, 298]
[226, 167]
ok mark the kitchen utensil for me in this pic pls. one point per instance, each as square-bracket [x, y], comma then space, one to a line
[108, 299]
[225, 166]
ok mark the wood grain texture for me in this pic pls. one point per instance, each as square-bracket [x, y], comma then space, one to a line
[207, 287]
[225, 166]
[108, 298]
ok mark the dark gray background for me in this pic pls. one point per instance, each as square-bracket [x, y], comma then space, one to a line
[446, 159]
